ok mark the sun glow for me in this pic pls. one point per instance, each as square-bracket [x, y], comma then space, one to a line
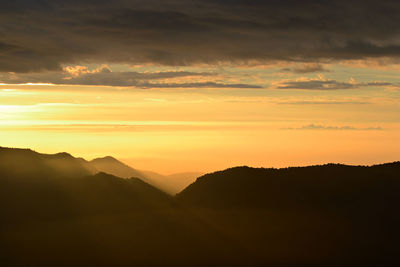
[202, 129]
[11, 109]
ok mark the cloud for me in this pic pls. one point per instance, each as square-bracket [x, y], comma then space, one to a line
[104, 76]
[378, 84]
[316, 85]
[76, 71]
[48, 34]
[199, 85]
[322, 83]
[306, 68]
[324, 127]
[307, 102]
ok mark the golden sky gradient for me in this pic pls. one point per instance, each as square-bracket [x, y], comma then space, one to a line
[178, 129]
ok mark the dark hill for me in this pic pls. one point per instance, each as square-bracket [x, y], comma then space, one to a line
[331, 214]
[115, 167]
[25, 162]
[107, 193]
[100, 220]
[54, 214]
[171, 184]
[327, 186]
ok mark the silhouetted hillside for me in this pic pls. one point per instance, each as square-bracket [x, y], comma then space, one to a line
[51, 218]
[334, 214]
[55, 213]
[45, 186]
[17, 162]
[115, 167]
[328, 186]
[20, 162]
[171, 184]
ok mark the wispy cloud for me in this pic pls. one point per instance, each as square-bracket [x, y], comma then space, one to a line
[316, 85]
[323, 102]
[327, 127]
[199, 85]
[104, 76]
[321, 83]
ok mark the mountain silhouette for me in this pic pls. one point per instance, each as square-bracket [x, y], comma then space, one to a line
[49, 217]
[58, 210]
[171, 184]
[325, 186]
[328, 214]
[60, 185]
[64, 164]
[115, 167]
[21, 162]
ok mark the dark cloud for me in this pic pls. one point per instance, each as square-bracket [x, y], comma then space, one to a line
[379, 84]
[199, 85]
[81, 75]
[327, 85]
[5, 47]
[37, 35]
[316, 85]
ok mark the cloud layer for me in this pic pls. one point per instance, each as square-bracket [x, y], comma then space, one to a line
[37, 35]
[326, 84]
[103, 76]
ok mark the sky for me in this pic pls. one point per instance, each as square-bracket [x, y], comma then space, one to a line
[176, 86]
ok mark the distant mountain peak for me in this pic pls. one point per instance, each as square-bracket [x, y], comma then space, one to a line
[106, 158]
[64, 155]
[111, 165]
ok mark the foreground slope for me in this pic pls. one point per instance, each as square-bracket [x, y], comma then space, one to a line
[325, 186]
[52, 218]
[334, 214]
[55, 213]
[100, 220]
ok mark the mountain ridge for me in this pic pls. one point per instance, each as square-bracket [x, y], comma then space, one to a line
[64, 164]
[321, 215]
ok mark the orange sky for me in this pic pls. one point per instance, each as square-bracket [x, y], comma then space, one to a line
[205, 129]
